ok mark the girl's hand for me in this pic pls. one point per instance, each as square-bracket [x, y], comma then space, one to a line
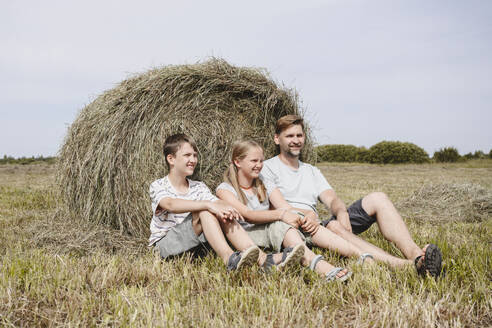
[291, 219]
[224, 211]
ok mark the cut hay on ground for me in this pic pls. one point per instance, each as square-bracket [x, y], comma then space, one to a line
[113, 150]
[449, 202]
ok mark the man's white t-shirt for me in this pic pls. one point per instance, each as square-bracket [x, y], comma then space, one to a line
[300, 188]
[162, 220]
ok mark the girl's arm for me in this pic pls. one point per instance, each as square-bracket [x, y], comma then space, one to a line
[309, 222]
[252, 216]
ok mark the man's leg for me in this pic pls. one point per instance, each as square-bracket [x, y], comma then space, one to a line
[336, 228]
[391, 223]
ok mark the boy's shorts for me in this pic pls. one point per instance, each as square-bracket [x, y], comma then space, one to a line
[359, 219]
[181, 238]
[271, 235]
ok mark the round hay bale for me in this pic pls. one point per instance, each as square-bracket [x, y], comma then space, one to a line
[113, 150]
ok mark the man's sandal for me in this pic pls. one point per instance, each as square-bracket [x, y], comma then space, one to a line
[432, 263]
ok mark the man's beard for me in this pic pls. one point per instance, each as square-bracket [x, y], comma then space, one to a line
[292, 154]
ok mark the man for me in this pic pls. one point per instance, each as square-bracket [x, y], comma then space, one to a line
[302, 185]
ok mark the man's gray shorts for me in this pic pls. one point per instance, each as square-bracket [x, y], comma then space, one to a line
[359, 219]
[181, 238]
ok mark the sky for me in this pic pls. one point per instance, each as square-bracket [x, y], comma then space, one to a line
[418, 71]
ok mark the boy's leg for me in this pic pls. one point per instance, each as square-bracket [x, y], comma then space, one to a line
[206, 222]
[214, 231]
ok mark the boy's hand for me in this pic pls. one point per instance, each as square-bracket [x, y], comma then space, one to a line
[224, 211]
[291, 219]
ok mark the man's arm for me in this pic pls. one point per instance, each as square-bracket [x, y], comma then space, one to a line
[337, 207]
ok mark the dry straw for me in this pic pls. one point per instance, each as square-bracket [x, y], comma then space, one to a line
[449, 202]
[113, 150]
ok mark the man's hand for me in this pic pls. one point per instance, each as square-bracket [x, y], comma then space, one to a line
[344, 220]
[310, 223]
[223, 211]
[291, 218]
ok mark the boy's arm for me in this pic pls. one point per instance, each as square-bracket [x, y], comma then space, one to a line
[258, 217]
[221, 209]
[337, 207]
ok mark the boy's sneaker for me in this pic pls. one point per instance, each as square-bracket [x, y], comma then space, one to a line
[247, 257]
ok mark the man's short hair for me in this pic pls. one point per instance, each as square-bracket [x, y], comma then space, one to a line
[174, 142]
[287, 121]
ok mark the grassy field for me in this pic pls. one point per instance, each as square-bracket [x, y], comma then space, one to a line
[56, 271]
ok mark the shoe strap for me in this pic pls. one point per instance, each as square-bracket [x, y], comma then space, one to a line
[285, 253]
[332, 275]
[315, 261]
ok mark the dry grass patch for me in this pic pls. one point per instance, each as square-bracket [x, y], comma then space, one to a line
[56, 272]
[448, 203]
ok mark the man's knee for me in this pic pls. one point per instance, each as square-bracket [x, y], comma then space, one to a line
[375, 201]
[377, 197]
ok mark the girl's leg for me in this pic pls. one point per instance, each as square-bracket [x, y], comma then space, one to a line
[292, 238]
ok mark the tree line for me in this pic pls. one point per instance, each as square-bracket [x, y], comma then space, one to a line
[392, 152]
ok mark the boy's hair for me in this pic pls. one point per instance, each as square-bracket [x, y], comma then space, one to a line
[239, 151]
[287, 121]
[174, 142]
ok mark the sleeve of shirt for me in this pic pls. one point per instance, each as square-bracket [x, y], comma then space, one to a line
[226, 186]
[205, 193]
[157, 192]
[321, 184]
[269, 179]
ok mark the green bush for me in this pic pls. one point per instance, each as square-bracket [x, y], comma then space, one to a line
[395, 152]
[448, 154]
[490, 153]
[337, 153]
[476, 155]
[479, 154]
[341, 153]
[362, 155]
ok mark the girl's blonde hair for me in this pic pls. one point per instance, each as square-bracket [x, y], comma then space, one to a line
[239, 152]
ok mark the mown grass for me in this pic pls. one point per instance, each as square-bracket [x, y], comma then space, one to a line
[57, 271]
